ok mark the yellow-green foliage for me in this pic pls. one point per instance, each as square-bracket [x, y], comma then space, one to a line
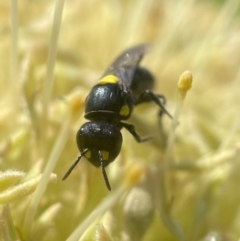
[183, 184]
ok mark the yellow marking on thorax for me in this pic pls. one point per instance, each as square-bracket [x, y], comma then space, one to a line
[108, 79]
[105, 155]
[124, 111]
[88, 154]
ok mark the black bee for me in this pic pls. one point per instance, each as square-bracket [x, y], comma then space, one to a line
[123, 86]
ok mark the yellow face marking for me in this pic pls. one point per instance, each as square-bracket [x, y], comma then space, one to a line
[108, 79]
[124, 111]
[105, 155]
[88, 154]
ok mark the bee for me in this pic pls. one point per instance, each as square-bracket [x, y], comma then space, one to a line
[111, 101]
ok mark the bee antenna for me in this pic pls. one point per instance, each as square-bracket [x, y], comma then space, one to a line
[103, 171]
[74, 164]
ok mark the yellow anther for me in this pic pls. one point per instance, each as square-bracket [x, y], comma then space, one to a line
[184, 83]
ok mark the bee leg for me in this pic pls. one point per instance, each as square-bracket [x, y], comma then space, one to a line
[160, 100]
[131, 129]
[163, 100]
[73, 165]
[103, 171]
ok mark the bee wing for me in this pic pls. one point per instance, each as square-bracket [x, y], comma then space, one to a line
[125, 64]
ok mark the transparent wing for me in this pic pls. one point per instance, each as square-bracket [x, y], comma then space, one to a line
[125, 64]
